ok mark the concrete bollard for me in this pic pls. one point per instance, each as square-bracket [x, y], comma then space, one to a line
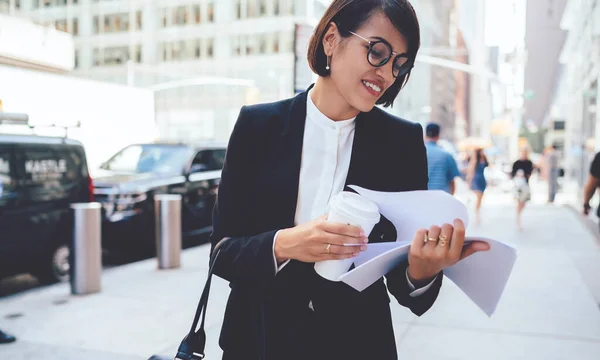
[86, 249]
[167, 210]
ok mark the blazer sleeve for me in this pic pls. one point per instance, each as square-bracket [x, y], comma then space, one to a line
[396, 279]
[244, 257]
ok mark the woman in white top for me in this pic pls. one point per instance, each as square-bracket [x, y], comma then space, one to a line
[286, 160]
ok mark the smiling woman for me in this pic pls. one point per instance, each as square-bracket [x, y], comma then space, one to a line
[284, 163]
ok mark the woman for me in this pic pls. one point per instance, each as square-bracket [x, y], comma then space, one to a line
[521, 172]
[285, 160]
[476, 179]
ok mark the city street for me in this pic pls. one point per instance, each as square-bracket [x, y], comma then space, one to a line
[548, 311]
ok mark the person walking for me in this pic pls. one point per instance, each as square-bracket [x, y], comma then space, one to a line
[553, 173]
[476, 179]
[592, 183]
[441, 166]
[286, 160]
[521, 172]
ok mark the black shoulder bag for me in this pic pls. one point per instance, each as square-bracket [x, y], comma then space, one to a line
[192, 345]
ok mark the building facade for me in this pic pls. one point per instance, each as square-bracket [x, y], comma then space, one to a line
[204, 58]
[576, 92]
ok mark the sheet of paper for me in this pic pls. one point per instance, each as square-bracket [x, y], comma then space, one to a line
[482, 276]
[410, 211]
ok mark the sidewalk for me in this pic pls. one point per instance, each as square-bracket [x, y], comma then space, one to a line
[548, 311]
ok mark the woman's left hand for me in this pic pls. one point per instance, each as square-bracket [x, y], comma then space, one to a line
[434, 250]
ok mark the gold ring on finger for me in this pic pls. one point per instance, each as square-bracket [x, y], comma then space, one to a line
[443, 242]
[328, 249]
[443, 237]
[431, 239]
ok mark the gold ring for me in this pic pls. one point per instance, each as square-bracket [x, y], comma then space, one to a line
[442, 243]
[328, 249]
[443, 237]
[431, 239]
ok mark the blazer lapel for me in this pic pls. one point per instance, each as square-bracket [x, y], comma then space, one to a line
[292, 138]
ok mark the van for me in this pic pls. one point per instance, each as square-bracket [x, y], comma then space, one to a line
[40, 177]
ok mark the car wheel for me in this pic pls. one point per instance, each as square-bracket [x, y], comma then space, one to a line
[57, 266]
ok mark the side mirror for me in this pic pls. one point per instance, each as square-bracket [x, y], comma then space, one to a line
[196, 168]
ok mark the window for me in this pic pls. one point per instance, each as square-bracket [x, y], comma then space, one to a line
[276, 7]
[263, 7]
[262, 48]
[97, 57]
[238, 9]
[197, 14]
[197, 49]
[149, 159]
[163, 16]
[138, 19]
[7, 180]
[61, 25]
[179, 15]
[235, 44]
[209, 47]
[76, 59]
[116, 55]
[138, 54]
[209, 160]
[276, 43]
[252, 11]
[211, 12]
[75, 28]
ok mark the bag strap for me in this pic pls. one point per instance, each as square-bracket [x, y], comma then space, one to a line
[192, 346]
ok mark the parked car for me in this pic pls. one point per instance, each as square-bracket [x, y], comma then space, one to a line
[40, 177]
[128, 181]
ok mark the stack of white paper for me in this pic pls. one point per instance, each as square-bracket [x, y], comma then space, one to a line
[482, 276]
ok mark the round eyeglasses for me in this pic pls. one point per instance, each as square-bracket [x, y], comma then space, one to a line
[380, 53]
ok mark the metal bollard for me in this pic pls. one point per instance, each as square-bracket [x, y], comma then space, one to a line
[167, 210]
[86, 256]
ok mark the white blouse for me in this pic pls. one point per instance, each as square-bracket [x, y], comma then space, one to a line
[326, 153]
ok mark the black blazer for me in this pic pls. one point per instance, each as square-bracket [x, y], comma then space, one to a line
[257, 197]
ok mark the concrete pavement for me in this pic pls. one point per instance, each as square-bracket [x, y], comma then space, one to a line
[549, 309]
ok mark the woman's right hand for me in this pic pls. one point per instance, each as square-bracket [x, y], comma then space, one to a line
[309, 242]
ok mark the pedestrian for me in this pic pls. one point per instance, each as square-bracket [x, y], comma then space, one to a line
[285, 161]
[476, 179]
[441, 166]
[6, 338]
[592, 183]
[553, 173]
[521, 172]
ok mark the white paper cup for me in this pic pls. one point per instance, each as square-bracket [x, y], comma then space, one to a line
[348, 208]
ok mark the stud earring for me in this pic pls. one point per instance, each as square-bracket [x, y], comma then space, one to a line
[328, 67]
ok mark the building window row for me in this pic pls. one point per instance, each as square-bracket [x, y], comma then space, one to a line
[192, 49]
[114, 23]
[245, 9]
[66, 26]
[191, 14]
[52, 3]
[265, 43]
[116, 55]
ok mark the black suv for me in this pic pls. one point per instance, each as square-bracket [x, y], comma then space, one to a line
[40, 177]
[127, 182]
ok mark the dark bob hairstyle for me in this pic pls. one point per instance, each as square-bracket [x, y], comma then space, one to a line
[349, 15]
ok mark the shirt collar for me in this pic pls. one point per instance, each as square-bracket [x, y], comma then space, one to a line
[315, 115]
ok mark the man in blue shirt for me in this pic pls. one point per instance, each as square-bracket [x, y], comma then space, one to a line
[441, 165]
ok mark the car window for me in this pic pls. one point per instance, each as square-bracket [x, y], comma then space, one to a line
[149, 158]
[203, 158]
[7, 178]
[219, 158]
